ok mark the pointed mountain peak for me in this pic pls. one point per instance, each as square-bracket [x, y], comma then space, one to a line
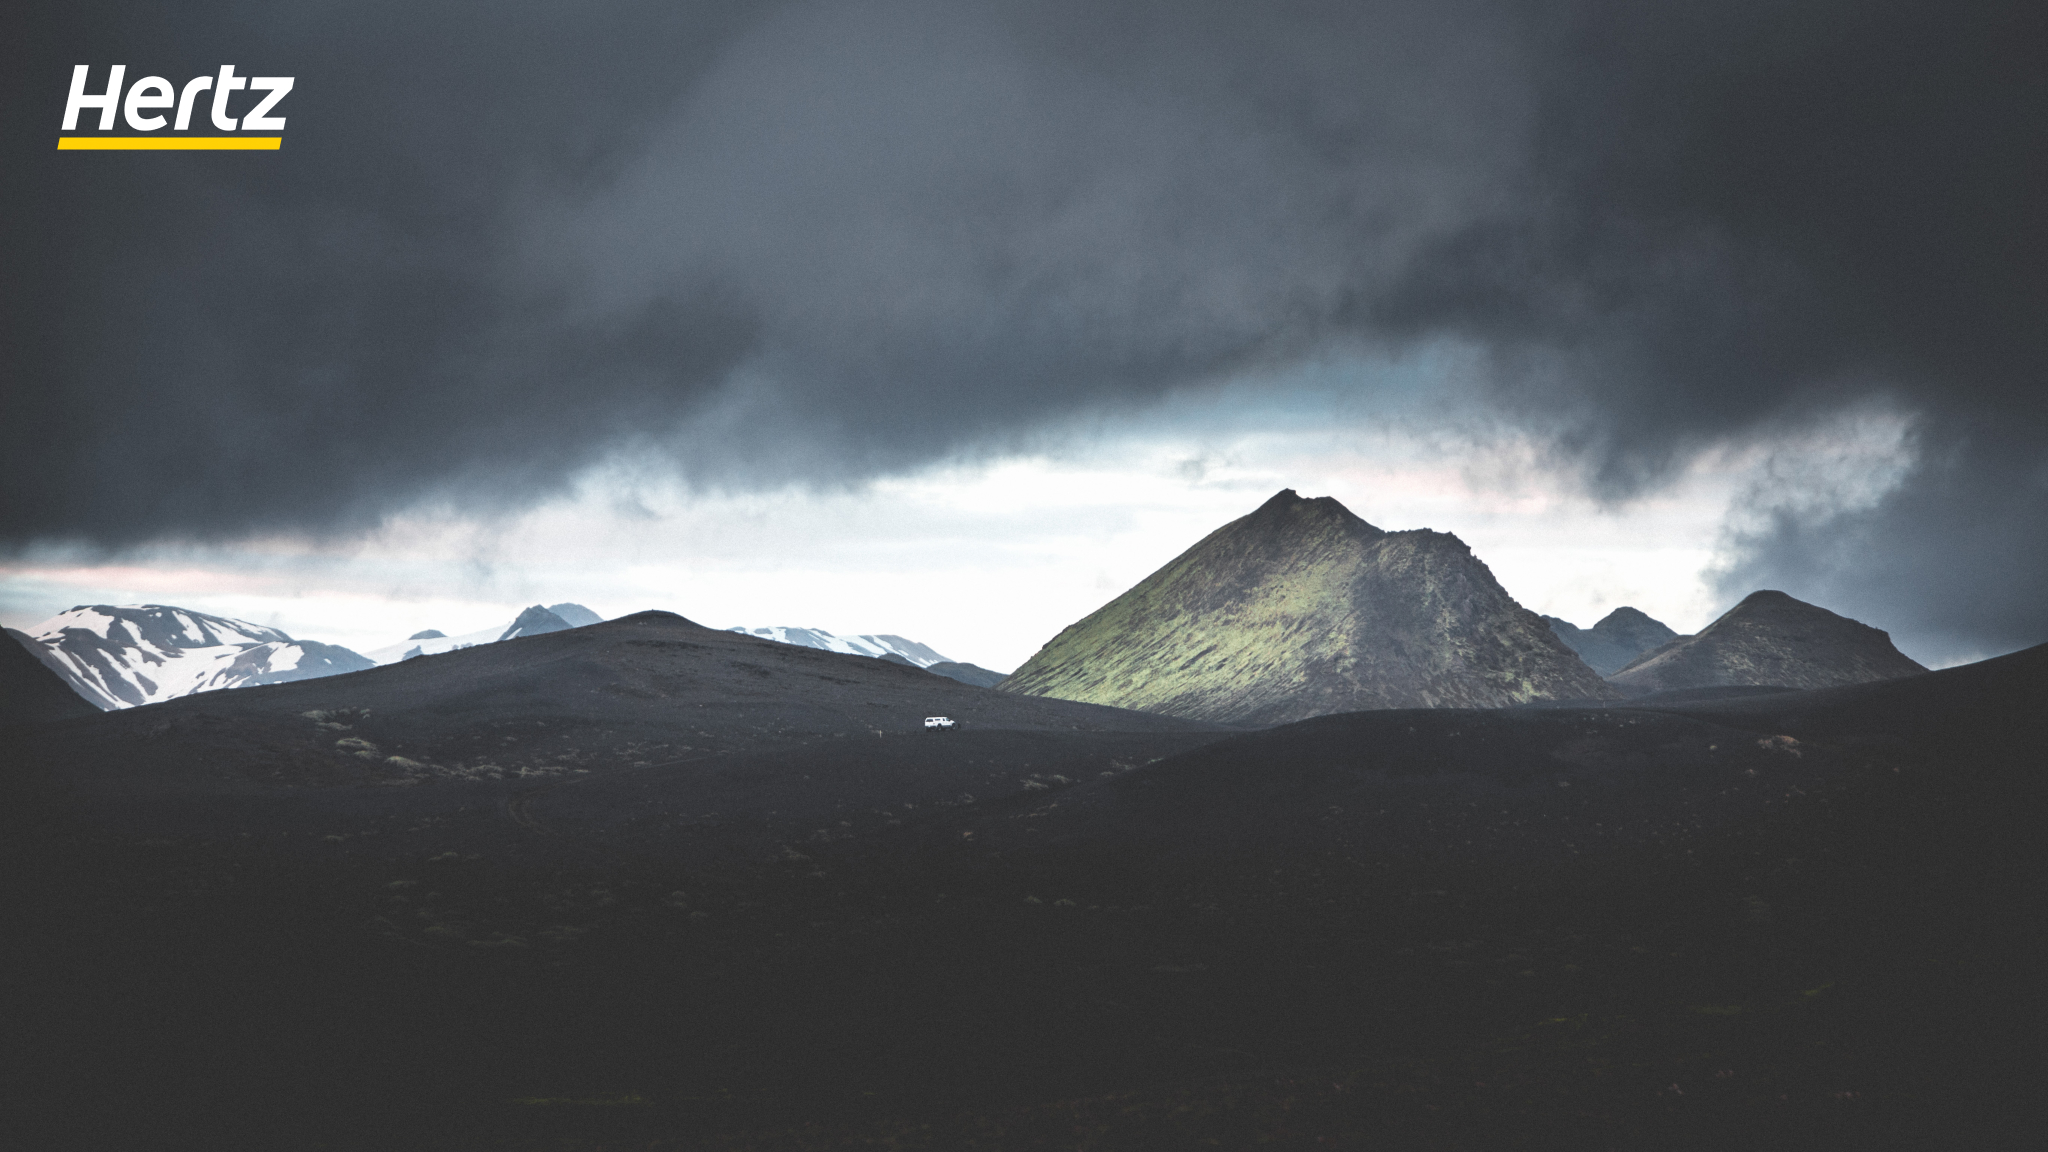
[1772, 598]
[535, 621]
[1619, 637]
[1768, 605]
[1769, 602]
[1626, 617]
[1289, 509]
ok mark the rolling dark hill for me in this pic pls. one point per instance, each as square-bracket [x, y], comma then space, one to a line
[1302, 609]
[652, 694]
[1769, 639]
[30, 693]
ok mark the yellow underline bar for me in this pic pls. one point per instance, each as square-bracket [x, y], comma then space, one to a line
[169, 143]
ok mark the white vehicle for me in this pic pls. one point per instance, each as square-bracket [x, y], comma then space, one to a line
[938, 721]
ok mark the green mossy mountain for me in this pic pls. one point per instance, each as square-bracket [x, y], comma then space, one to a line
[1770, 639]
[1302, 609]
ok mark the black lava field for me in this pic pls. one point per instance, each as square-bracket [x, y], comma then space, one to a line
[649, 885]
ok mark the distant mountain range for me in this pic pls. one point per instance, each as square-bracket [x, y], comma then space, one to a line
[1302, 609]
[1299, 609]
[121, 656]
[534, 621]
[875, 645]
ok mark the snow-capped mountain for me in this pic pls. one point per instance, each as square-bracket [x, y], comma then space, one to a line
[432, 642]
[119, 656]
[876, 646]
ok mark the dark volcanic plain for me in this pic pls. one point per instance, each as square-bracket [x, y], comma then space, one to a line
[644, 884]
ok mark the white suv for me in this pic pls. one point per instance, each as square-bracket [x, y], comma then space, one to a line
[938, 721]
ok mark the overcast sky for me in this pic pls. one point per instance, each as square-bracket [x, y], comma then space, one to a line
[955, 319]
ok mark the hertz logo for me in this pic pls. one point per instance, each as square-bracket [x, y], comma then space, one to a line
[153, 92]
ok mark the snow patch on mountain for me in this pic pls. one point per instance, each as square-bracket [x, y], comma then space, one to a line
[874, 645]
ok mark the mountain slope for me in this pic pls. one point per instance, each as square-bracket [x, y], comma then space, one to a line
[1302, 609]
[1619, 637]
[30, 692]
[1770, 638]
[125, 655]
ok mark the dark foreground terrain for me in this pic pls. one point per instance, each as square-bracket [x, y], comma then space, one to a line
[646, 885]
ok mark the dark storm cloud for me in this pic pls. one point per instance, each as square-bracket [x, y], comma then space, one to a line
[820, 240]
